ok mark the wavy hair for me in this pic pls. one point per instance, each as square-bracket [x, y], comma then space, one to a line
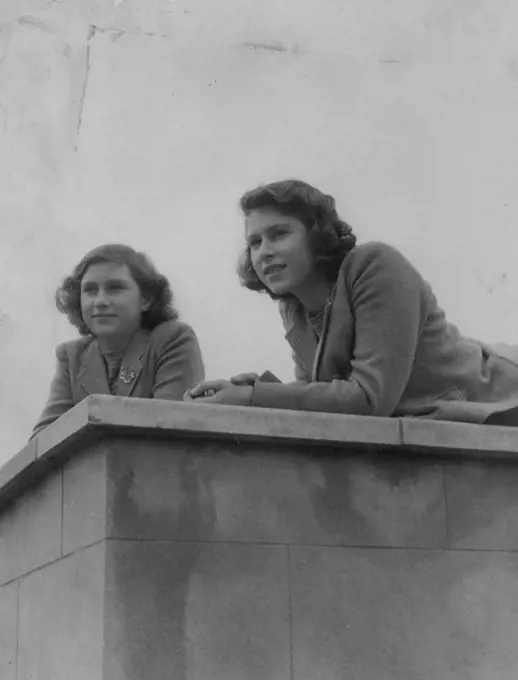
[330, 238]
[153, 286]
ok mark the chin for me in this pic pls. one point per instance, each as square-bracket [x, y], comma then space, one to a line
[280, 290]
[105, 332]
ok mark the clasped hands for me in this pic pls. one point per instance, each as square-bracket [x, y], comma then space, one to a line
[237, 391]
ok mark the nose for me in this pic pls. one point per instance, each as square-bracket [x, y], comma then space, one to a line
[100, 301]
[265, 251]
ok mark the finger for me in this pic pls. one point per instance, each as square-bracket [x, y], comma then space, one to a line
[212, 399]
[206, 385]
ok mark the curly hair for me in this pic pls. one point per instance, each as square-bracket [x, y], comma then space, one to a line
[153, 286]
[330, 238]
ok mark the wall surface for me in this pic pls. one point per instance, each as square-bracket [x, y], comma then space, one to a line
[142, 121]
[159, 557]
[51, 589]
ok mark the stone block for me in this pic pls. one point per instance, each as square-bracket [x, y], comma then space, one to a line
[8, 630]
[373, 614]
[61, 619]
[196, 611]
[30, 528]
[210, 491]
[84, 499]
[482, 505]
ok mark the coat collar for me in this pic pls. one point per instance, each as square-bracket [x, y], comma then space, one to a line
[301, 336]
[92, 375]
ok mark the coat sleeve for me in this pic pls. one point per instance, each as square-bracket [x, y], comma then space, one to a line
[180, 364]
[60, 399]
[387, 303]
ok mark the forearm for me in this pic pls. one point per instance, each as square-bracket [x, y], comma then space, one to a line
[339, 396]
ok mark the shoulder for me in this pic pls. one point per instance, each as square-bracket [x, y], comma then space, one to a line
[376, 260]
[172, 330]
[72, 349]
[374, 251]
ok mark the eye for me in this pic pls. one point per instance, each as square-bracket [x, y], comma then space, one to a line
[116, 286]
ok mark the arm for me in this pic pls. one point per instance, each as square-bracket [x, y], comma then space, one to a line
[60, 398]
[386, 298]
[180, 365]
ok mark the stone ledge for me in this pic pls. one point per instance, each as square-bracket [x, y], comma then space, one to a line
[433, 436]
[242, 423]
[46, 450]
[98, 415]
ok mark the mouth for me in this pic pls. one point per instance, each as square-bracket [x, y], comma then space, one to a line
[272, 269]
[104, 316]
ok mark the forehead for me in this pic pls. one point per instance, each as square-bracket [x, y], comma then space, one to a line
[259, 221]
[106, 271]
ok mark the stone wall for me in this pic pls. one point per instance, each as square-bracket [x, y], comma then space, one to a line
[158, 542]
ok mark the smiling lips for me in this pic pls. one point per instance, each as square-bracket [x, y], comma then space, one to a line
[273, 269]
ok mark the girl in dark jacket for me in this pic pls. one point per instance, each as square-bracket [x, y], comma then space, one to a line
[131, 341]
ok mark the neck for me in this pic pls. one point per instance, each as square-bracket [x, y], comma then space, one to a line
[113, 343]
[313, 296]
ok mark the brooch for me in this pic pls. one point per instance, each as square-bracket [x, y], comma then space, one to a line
[127, 375]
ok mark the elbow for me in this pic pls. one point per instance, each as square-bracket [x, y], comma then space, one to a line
[373, 402]
[380, 408]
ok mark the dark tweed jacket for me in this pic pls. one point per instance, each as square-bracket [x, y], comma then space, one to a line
[164, 362]
[387, 350]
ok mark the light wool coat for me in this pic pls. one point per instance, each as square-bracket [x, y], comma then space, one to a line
[387, 349]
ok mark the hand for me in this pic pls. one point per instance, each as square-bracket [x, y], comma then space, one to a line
[220, 392]
[244, 379]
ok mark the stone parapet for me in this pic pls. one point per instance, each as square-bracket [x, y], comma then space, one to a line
[156, 540]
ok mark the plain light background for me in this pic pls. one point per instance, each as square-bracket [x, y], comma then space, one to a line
[143, 121]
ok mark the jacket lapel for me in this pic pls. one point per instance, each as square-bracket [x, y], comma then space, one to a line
[131, 365]
[92, 375]
[299, 334]
[337, 334]
[336, 349]
[321, 342]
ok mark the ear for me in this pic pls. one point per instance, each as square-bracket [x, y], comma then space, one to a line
[146, 304]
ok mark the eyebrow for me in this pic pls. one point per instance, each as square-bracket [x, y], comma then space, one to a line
[93, 281]
[271, 227]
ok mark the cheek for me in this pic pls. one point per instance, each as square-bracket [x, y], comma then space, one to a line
[85, 305]
[254, 262]
[304, 258]
[137, 306]
[299, 247]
